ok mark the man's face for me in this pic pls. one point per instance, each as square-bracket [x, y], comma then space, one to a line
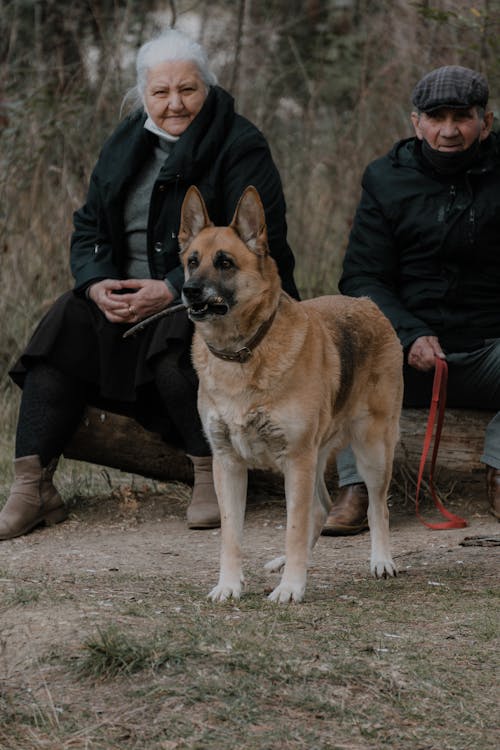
[449, 130]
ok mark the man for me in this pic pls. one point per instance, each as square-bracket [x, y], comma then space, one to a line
[425, 246]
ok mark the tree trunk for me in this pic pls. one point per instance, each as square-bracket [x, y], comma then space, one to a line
[462, 438]
[121, 443]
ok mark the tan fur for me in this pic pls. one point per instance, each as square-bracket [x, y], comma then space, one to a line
[327, 373]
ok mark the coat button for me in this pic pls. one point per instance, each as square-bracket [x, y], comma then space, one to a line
[158, 247]
[162, 188]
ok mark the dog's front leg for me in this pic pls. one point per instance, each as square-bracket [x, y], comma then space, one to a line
[230, 479]
[299, 491]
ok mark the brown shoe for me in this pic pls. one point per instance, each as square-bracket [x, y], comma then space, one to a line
[348, 512]
[33, 499]
[493, 490]
[203, 510]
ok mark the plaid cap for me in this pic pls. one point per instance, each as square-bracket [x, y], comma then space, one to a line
[450, 86]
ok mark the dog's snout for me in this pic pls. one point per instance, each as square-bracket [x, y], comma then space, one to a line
[192, 290]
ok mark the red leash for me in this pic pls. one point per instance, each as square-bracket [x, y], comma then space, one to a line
[437, 407]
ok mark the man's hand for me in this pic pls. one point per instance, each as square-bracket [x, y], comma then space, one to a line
[423, 352]
[147, 296]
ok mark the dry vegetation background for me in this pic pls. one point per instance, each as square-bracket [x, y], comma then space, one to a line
[328, 82]
[106, 640]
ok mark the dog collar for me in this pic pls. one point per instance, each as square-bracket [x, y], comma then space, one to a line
[245, 353]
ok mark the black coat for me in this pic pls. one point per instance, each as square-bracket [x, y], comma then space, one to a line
[426, 248]
[221, 153]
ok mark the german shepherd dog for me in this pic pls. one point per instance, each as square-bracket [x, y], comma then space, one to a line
[282, 385]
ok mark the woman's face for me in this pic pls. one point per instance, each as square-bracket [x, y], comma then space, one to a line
[174, 95]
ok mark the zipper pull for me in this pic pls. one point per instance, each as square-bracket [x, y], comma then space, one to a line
[453, 193]
[472, 222]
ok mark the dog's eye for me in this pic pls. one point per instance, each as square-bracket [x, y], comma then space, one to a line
[192, 263]
[223, 262]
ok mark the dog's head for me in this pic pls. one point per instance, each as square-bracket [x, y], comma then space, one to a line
[224, 266]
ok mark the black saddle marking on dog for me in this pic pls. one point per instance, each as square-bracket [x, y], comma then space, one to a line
[348, 362]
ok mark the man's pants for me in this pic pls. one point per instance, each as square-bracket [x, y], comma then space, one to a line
[473, 383]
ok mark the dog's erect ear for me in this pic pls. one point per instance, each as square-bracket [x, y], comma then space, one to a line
[194, 217]
[249, 221]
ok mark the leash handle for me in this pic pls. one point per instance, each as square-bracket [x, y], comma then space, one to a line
[437, 407]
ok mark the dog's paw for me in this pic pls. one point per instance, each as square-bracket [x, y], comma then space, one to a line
[276, 565]
[287, 592]
[383, 569]
[222, 592]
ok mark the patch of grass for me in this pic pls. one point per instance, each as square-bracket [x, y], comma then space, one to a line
[112, 653]
[135, 610]
[23, 596]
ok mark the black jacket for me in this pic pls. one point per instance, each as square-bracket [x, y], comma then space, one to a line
[426, 248]
[221, 153]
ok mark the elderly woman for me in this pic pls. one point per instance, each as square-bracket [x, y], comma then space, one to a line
[124, 258]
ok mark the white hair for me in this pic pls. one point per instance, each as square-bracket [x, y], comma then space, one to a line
[171, 46]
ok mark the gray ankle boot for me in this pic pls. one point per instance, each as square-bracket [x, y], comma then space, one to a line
[203, 511]
[33, 499]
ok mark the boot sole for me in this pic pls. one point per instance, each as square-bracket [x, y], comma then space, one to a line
[50, 519]
[344, 530]
[201, 526]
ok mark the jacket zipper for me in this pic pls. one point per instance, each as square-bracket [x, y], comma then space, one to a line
[471, 225]
[453, 195]
[471, 220]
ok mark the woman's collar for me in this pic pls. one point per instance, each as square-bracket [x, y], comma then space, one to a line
[153, 128]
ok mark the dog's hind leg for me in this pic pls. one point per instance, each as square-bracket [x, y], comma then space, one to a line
[299, 491]
[374, 460]
[275, 565]
[322, 499]
[230, 479]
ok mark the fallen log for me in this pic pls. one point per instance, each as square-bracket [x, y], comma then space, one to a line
[462, 438]
[120, 442]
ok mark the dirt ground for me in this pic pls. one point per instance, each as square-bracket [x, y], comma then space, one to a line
[138, 531]
[127, 557]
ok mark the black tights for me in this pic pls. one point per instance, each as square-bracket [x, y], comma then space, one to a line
[51, 407]
[178, 388]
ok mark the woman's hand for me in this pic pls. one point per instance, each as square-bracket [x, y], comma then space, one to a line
[423, 352]
[130, 300]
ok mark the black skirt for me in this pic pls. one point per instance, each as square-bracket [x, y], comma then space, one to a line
[77, 339]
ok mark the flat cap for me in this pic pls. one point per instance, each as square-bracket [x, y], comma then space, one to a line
[450, 86]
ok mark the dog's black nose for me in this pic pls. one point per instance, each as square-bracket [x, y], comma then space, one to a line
[192, 290]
